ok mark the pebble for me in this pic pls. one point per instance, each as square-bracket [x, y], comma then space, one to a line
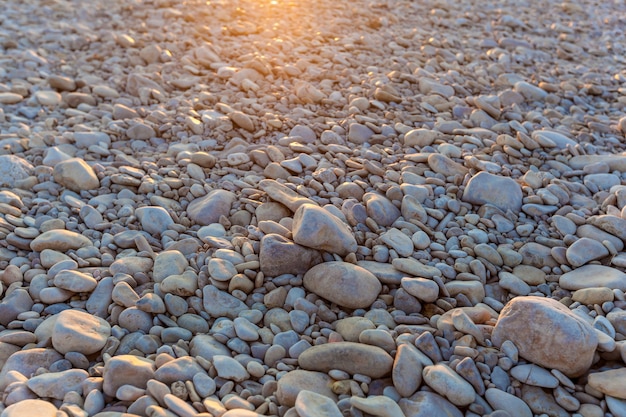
[30, 408]
[279, 255]
[208, 209]
[76, 175]
[75, 331]
[502, 192]
[311, 404]
[365, 359]
[449, 384]
[13, 169]
[593, 276]
[316, 228]
[343, 283]
[501, 400]
[610, 383]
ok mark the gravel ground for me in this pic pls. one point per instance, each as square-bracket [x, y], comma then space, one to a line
[312, 208]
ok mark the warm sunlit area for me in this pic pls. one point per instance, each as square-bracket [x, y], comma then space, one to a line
[322, 208]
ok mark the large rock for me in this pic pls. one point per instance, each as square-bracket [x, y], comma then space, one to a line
[278, 255]
[315, 227]
[208, 209]
[343, 283]
[502, 192]
[76, 175]
[353, 358]
[547, 333]
[76, 331]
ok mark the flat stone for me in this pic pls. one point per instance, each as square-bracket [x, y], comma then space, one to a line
[420, 137]
[208, 209]
[381, 209]
[26, 362]
[385, 273]
[221, 304]
[154, 220]
[406, 372]
[282, 194]
[18, 301]
[426, 404]
[228, 368]
[290, 385]
[502, 192]
[585, 250]
[279, 255]
[423, 289]
[398, 241]
[501, 400]
[75, 281]
[76, 331]
[126, 370]
[13, 169]
[59, 240]
[377, 405]
[166, 263]
[353, 358]
[532, 374]
[312, 404]
[179, 369]
[140, 131]
[558, 139]
[316, 228]
[449, 384]
[547, 333]
[441, 164]
[30, 408]
[615, 162]
[76, 175]
[593, 276]
[57, 384]
[611, 382]
[591, 296]
[343, 283]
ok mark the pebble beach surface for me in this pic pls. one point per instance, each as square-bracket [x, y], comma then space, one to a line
[312, 208]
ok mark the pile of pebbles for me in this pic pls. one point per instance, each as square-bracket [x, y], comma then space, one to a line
[304, 208]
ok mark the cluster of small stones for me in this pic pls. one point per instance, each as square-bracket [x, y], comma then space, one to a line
[312, 208]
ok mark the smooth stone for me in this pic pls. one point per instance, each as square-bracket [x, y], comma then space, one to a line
[420, 137]
[57, 384]
[547, 333]
[441, 164]
[75, 281]
[449, 384]
[26, 362]
[398, 241]
[221, 304]
[166, 263]
[541, 401]
[126, 370]
[316, 228]
[416, 268]
[131, 265]
[359, 134]
[529, 91]
[385, 273]
[312, 404]
[12, 305]
[278, 255]
[473, 290]
[228, 368]
[179, 369]
[154, 220]
[75, 174]
[502, 192]
[59, 240]
[615, 162]
[610, 224]
[284, 195]
[532, 374]
[208, 209]
[592, 232]
[140, 131]
[364, 359]
[537, 255]
[291, 383]
[343, 283]
[559, 140]
[207, 347]
[380, 209]
[427, 404]
[406, 373]
[13, 169]
[351, 327]
[76, 331]
[616, 406]
[10, 98]
[585, 250]
[501, 400]
[30, 408]
[611, 383]
[423, 289]
[377, 405]
[593, 276]
[602, 181]
[591, 296]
